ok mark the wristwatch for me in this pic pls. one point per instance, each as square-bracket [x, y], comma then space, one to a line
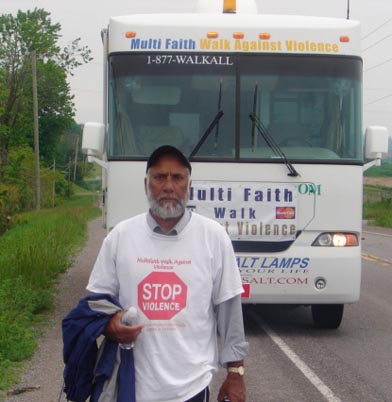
[238, 370]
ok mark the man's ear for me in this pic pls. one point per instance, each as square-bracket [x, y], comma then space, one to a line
[145, 185]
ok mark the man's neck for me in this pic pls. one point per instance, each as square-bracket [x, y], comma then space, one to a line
[166, 224]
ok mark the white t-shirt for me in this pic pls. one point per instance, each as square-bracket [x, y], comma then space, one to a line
[174, 281]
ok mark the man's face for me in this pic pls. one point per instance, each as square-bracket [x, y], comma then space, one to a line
[167, 185]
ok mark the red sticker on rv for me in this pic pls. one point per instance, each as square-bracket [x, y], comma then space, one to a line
[285, 212]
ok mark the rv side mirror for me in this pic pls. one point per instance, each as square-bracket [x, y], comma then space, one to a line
[376, 142]
[93, 139]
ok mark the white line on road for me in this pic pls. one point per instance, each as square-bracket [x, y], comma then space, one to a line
[300, 364]
[377, 234]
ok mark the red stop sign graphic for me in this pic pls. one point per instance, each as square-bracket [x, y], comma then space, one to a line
[161, 295]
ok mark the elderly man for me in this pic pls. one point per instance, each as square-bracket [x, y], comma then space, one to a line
[180, 268]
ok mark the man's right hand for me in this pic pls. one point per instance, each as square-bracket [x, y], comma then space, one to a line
[121, 333]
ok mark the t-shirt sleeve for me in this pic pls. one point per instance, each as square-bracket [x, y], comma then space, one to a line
[227, 281]
[103, 278]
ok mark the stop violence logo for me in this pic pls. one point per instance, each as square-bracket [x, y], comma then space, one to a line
[161, 295]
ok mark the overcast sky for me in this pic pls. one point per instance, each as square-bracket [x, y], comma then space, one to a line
[86, 18]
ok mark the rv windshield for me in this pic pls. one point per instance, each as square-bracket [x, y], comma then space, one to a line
[310, 105]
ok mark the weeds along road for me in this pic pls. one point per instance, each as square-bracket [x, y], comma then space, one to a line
[43, 377]
[289, 360]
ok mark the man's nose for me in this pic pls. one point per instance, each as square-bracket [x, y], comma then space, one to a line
[168, 184]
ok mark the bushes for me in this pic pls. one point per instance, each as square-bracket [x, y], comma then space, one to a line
[17, 191]
[20, 174]
[9, 204]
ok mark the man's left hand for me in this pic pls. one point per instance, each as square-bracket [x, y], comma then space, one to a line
[233, 388]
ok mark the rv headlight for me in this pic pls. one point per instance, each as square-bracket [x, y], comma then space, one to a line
[331, 239]
[325, 240]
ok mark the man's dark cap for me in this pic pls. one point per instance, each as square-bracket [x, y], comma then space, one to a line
[167, 150]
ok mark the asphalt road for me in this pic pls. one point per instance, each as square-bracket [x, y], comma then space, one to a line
[289, 360]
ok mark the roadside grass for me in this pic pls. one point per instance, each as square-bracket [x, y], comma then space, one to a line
[38, 247]
[385, 170]
[378, 213]
[377, 206]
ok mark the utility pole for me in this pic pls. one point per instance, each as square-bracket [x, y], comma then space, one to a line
[54, 184]
[36, 133]
[76, 158]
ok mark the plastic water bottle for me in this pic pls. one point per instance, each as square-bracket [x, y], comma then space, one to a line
[127, 319]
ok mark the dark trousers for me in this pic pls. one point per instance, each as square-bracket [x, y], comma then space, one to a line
[203, 396]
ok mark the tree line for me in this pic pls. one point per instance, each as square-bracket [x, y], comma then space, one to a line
[20, 36]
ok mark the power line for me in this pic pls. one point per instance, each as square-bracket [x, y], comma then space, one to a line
[376, 43]
[376, 29]
[378, 100]
[377, 65]
[377, 89]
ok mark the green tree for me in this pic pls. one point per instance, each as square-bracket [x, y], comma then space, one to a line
[19, 36]
[19, 175]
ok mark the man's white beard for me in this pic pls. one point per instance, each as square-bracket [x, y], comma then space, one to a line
[167, 210]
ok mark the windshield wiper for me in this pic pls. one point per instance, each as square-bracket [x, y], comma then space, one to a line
[214, 122]
[272, 144]
[219, 108]
[253, 141]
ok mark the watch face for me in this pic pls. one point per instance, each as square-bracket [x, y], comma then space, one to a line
[241, 370]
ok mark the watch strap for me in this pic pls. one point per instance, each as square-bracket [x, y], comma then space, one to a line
[237, 370]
